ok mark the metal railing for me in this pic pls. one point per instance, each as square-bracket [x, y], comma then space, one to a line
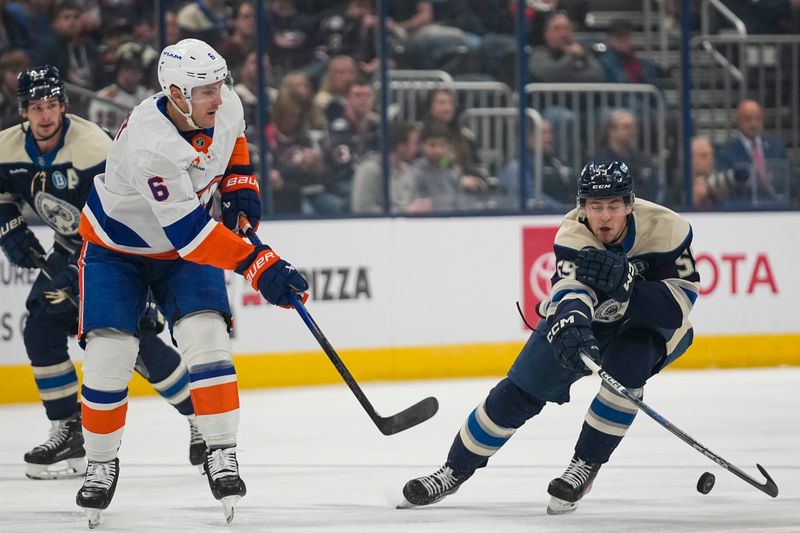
[663, 37]
[410, 95]
[582, 107]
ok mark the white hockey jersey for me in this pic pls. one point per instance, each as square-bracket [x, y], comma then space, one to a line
[152, 198]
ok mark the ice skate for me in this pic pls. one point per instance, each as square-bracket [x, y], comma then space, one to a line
[567, 490]
[62, 455]
[197, 446]
[98, 489]
[433, 488]
[222, 471]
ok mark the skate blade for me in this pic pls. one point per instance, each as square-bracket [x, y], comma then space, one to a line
[93, 516]
[75, 467]
[229, 506]
[405, 504]
[558, 506]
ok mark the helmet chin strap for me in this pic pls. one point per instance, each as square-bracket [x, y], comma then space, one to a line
[187, 116]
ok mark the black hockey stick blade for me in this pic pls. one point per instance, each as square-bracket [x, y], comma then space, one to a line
[408, 418]
[769, 488]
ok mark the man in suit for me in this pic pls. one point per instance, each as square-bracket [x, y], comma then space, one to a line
[759, 162]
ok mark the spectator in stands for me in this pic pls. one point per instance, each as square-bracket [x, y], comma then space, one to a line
[247, 89]
[207, 20]
[296, 166]
[440, 108]
[12, 62]
[28, 23]
[767, 16]
[291, 38]
[558, 179]
[242, 39]
[763, 158]
[620, 61]
[127, 89]
[368, 189]
[353, 132]
[351, 31]
[710, 186]
[299, 83]
[342, 72]
[561, 59]
[618, 143]
[437, 177]
[72, 53]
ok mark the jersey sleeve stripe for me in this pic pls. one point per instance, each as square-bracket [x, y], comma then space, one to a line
[189, 229]
[116, 231]
[240, 154]
[219, 247]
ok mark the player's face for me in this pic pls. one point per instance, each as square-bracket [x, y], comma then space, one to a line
[205, 103]
[607, 218]
[45, 116]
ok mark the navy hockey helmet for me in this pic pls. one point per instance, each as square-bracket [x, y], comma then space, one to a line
[605, 180]
[38, 83]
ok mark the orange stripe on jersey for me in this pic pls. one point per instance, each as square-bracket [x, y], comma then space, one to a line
[216, 399]
[88, 233]
[240, 154]
[210, 184]
[222, 248]
[104, 422]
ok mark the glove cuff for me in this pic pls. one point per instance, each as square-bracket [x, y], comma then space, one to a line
[257, 263]
[237, 182]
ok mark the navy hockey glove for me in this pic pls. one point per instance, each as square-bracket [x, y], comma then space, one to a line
[240, 194]
[570, 337]
[273, 277]
[18, 241]
[151, 320]
[607, 271]
[66, 290]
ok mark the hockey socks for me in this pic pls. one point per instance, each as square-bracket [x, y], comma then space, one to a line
[608, 419]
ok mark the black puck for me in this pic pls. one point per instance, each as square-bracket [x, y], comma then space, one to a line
[705, 483]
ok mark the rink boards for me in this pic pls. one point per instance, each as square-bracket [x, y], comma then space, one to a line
[435, 298]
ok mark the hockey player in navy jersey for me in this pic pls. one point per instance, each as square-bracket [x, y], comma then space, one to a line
[49, 162]
[147, 226]
[624, 285]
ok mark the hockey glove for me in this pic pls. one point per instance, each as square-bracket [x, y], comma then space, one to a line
[152, 319]
[607, 271]
[18, 241]
[66, 290]
[273, 277]
[570, 337]
[240, 194]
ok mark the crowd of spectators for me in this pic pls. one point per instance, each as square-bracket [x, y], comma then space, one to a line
[323, 131]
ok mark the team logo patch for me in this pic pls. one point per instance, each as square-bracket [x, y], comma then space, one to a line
[59, 214]
[609, 311]
[59, 180]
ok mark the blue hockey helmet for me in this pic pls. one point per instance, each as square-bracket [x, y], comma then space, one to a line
[38, 83]
[605, 180]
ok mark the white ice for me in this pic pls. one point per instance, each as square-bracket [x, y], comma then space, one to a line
[313, 462]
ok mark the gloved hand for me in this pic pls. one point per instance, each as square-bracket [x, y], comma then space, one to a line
[570, 337]
[240, 194]
[17, 242]
[273, 277]
[152, 319]
[66, 290]
[607, 271]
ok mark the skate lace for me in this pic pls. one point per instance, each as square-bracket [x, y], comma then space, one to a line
[100, 475]
[194, 434]
[59, 434]
[577, 472]
[440, 481]
[222, 463]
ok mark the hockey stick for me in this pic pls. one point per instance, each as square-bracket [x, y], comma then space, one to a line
[388, 425]
[41, 264]
[769, 488]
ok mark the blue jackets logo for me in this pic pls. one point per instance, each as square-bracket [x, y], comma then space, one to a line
[59, 180]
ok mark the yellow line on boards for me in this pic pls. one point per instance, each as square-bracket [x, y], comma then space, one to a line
[431, 362]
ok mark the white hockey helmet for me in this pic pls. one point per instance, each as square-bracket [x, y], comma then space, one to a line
[188, 64]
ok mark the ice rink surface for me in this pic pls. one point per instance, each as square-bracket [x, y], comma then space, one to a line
[313, 462]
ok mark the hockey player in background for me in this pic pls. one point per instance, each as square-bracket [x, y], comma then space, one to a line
[624, 285]
[147, 225]
[49, 162]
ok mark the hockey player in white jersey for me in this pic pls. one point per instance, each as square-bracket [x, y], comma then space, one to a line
[49, 162]
[624, 285]
[146, 225]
